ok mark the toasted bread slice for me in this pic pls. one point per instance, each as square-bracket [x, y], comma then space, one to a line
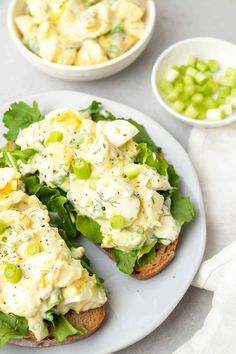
[91, 320]
[164, 256]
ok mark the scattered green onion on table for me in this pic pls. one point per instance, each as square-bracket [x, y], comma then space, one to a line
[197, 91]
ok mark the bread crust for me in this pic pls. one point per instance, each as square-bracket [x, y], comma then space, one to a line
[91, 320]
[164, 255]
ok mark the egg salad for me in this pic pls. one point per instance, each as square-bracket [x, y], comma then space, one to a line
[38, 272]
[95, 164]
[76, 32]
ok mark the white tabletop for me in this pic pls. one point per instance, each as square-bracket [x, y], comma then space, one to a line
[176, 20]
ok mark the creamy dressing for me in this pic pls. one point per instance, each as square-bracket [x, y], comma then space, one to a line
[108, 147]
[75, 32]
[51, 270]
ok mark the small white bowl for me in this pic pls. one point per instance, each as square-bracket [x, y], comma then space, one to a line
[81, 73]
[178, 54]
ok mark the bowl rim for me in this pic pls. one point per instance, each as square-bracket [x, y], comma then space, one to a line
[151, 9]
[161, 100]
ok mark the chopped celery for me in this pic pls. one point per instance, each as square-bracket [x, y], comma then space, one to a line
[192, 60]
[171, 75]
[188, 80]
[179, 86]
[213, 85]
[191, 72]
[182, 69]
[192, 111]
[197, 98]
[232, 100]
[233, 92]
[227, 109]
[227, 81]
[214, 114]
[193, 89]
[189, 90]
[173, 96]
[209, 103]
[213, 65]
[165, 86]
[230, 72]
[200, 78]
[202, 66]
[178, 106]
[223, 91]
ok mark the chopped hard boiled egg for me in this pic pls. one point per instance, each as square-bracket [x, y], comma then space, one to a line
[72, 32]
[37, 270]
[95, 164]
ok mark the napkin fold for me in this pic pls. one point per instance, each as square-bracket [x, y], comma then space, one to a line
[213, 153]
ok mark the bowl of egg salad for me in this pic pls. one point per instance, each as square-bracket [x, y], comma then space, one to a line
[81, 40]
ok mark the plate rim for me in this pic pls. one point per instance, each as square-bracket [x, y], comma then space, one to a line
[178, 296]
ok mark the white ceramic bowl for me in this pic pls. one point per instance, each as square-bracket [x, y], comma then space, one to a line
[81, 73]
[177, 54]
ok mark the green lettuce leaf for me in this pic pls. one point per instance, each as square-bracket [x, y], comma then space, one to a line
[89, 228]
[148, 157]
[61, 212]
[125, 261]
[148, 257]
[181, 208]
[142, 136]
[10, 156]
[97, 113]
[62, 328]
[86, 264]
[19, 116]
[145, 250]
[12, 326]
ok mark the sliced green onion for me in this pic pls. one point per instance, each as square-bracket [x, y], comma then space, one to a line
[3, 226]
[117, 222]
[131, 171]
[81, 168]
[13, 273]
[213, 65]
[55, 136]
[32, 248]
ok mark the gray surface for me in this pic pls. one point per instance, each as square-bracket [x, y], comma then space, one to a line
[177, 20]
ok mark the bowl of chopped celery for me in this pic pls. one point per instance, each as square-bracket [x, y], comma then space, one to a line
[195, 80]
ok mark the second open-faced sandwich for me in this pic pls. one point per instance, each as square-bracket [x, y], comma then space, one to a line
[47, 296]
[125, 194]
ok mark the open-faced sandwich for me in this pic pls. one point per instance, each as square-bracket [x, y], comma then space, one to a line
[124, 192]
[48, 294]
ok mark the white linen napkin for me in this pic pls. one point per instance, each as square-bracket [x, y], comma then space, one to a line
[213, 153]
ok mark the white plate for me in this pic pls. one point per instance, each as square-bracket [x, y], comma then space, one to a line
[135, 307]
